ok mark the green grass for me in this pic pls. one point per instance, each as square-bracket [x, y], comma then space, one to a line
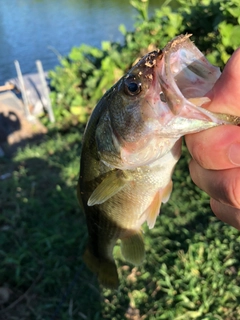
[191, 270]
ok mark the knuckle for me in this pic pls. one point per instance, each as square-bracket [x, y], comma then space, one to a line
[234, 192]
[193, 170]
[200, 155]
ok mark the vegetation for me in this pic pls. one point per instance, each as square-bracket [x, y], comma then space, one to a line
[87, 72]
[191, 270]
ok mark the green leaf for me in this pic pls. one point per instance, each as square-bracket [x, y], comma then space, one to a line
[76, 54]
[225, 30]
[106, 45]
[75, 110]
[122, 29]
[235, 37]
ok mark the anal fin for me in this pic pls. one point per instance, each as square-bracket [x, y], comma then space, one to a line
[132, 247]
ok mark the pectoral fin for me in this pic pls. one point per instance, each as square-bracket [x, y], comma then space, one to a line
[111, 184]
[132, 248]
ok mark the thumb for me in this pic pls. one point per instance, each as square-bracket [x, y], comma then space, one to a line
[225, 95]
[219, 148]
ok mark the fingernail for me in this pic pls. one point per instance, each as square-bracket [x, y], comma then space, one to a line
[234, 154]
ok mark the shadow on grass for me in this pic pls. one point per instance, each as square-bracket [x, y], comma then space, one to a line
[43, 234]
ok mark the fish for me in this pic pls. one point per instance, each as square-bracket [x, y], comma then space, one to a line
[131, 145]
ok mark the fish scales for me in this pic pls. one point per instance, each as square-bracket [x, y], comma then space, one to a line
[130, 147]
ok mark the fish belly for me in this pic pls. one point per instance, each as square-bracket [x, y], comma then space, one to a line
[122, 216]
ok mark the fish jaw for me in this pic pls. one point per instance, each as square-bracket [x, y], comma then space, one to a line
[185, 77]
[185, 70]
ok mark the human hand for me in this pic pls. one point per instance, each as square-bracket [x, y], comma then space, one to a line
[215, 166]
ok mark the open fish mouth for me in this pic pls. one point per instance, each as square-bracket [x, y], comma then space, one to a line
[186, 76]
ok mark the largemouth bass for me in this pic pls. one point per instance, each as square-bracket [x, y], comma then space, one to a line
[131, 144]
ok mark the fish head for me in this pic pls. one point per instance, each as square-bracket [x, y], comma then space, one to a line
[131, 119]
[158, 101]
[135, 99]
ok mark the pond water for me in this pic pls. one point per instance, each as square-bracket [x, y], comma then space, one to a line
[40, 29]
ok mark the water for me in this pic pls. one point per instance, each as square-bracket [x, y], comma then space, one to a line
[37, 29]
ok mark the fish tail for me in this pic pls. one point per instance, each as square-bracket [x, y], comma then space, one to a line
[105, 269]
[132, 248]
[108, 275]
[91, 261]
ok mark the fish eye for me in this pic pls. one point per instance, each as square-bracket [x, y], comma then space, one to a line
[132, 86]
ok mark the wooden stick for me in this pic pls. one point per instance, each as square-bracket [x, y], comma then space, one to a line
[45, 90]
[23, 90]
[7, 86]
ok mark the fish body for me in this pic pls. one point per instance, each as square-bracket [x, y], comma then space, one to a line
[131, 144]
